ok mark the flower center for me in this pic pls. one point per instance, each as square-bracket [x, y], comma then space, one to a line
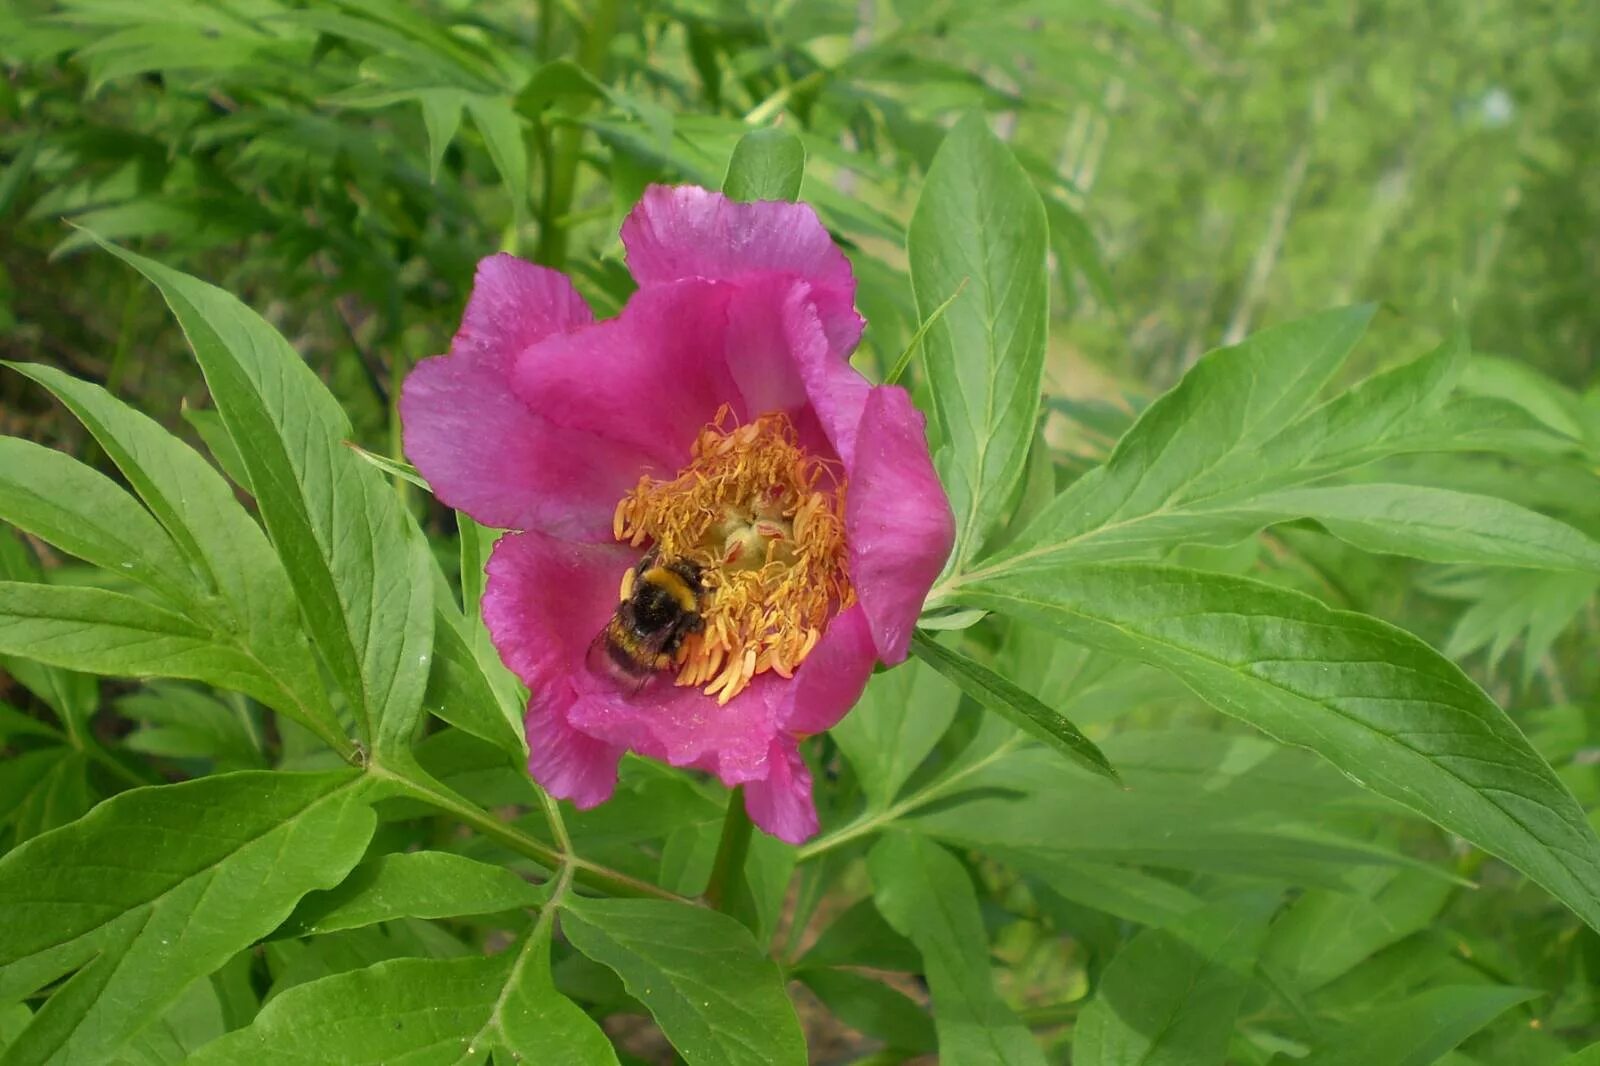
[765, 522]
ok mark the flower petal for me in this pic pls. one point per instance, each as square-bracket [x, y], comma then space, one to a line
[545, 601]
[485, 453]
[781, 803]
[481, 449]
[649, 378]
[831, 679]
[687, 232]
[897, 519]
[568, 764]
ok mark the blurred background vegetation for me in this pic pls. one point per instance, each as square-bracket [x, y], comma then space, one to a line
[1207, 169]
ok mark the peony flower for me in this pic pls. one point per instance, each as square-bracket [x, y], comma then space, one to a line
[716, 420]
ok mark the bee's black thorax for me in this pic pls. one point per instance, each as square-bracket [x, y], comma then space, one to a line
[650, 625]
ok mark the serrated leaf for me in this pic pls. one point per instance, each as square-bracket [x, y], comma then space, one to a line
[700, 974]
[158, 887]
[1016, 706]
[1372, 699]
[979, 222]
[767, 164]
[1170, 995]
[421, 1012]
[1417, 1030]
[924, 893]
[360, 569]
[255, 610]
[416, 884]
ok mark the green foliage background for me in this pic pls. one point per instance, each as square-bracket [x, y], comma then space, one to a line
[1159, 180]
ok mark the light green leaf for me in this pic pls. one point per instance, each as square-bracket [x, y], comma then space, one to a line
[86, 514]
[179, 722]
[1418, 1030]
[416, 884]
[360, 569]
[1375, 701]
[459, 693]
[441, 117]
[72, 696]
[502, 135]
[1439, 525]
[158, 887]
[1010, 702]
[421, 1012]
[767, 164]
[1170, 995]
[700, 973]
[979, 222]
[901, 716]
[924, 893]
[255, 609]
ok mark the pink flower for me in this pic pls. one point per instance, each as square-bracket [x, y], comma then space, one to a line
[715, 420]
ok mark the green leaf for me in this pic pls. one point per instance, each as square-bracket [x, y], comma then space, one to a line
[360, 569]
[416, 884]
[441, 117]
[214, 435]
[256, 612]
[874, 1008]
[767, 164]
[1170, 995]
[179, 722]
[459, 693]
[421, 1011]
[700, 974]
[502, 135]
[980, 222]
[86, 514]
[1373, 700]
[43, 789]
[1220, 435]
[158, 887]
[901, 716]
[72, 696]
[1418, 1030]
[927, 897]
[1014, 705]
[1439, 525]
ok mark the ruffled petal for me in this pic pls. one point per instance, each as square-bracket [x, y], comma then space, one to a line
[484, 452]
[648, 379]
[568, 764]
[781, 803]
[897, 519]
[514, 304]
[831, 679]
[545, 601]
[687, 232]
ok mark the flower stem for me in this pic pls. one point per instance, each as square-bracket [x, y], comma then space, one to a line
[728, 866]
[561, 162]
[593, 875]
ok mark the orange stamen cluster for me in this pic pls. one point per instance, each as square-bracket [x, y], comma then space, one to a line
[765, 521]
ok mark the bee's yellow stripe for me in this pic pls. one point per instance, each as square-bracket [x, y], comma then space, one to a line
[674, 584]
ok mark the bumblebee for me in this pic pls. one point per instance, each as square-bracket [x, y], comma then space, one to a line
[660, 607]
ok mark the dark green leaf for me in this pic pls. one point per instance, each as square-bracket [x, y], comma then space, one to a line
[874, 1008]
[1375, 701]
[158, 887]
[1016, 706]
[1418, 1030]
[700, 973]
[416, 884]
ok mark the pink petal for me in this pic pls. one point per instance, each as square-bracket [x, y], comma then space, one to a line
[649, 378]
[832, 677]
[781, 803]
[687, 232]
[566, 763]
[897, 519]
[545, 601]
[480, 448]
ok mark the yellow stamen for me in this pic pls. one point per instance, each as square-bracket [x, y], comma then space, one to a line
[765, 521]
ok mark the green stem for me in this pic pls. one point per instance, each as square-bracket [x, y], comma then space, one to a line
[561, 170]
[600, 878]
[732, 849]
